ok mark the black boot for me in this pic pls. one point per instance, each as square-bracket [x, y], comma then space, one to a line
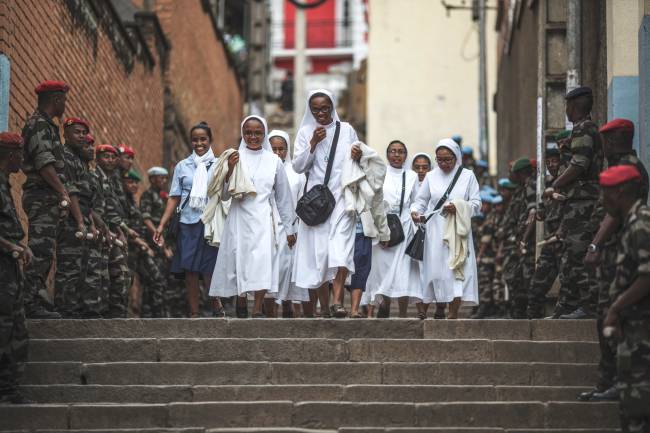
[483, 311]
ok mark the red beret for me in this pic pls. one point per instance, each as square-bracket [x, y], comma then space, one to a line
[126, 150]
[106, 148]
[619, 174]
[90, 139]
[10, 140]
[533, 162]
[618, 125]
[51, 86]
[75, 120]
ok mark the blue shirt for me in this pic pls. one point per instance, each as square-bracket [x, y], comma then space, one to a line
[182, 186]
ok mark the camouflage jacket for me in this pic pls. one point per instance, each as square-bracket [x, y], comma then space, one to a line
[621, 159]
[633, 259]
[486, 236]
[10, 228]
[509, 228]
[113, 214]
[79, 181]
[587, 153]
[133, 215]
[42, 147]
[552, 212]
[152, 205]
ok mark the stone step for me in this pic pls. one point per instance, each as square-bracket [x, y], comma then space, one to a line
[458, 430]
[537, 330]
[312, 415]
[257, 373]
[308, 350]
[45, 394]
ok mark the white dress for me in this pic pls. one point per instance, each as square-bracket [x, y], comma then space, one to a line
[322, 249]
[287, 291]
[246, 256]
[438, 282]
[394, 273]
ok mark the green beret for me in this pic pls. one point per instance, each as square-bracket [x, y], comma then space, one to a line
[562, 135]
[521, 164]
[133, 175]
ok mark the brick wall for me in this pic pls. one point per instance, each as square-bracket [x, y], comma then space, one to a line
[204, 86]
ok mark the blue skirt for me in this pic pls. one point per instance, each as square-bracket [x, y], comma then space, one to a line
[193, 253]
[362, 261]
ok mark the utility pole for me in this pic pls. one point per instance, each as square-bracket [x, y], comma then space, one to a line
[299, 66]
[484, 133]
[574, 44]
[541, 117]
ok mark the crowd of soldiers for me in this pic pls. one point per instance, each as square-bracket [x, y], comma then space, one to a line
[79, 200]
[596, 249]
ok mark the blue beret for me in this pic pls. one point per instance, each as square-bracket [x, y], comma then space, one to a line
[482, 163]
[457, 138]
[489, 189]
[467, 150]
[486, 196]
[496, 200]
[579, 91]
[506, 183]
[157, 171]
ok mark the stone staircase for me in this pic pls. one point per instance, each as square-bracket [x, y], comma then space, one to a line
[310, 375]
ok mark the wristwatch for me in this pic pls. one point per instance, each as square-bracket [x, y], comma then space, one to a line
[592, 248]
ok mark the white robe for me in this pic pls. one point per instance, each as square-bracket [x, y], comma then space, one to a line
[438, 282]
[284, 256]
[322, 249]
[246, 258]
[394, 273]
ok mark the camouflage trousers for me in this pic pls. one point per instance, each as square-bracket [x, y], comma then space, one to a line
[116, 291]
[486, 270]
[605, 276]
[514, 279]
[78, 279]
[578, 231]
[546, 271]
[44, 217]
[175, 294]
[13, 333]
[633, 379]
[498, 287]
[152, 285]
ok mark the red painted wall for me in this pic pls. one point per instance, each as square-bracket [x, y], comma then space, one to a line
[321, 26]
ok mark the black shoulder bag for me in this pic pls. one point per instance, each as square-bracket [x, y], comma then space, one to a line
[174, 224]
[415, 248]
[316, 205]
[395, 222]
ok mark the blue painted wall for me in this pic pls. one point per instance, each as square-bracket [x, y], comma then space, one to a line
[5, 73]
[623, 101]
[644, 91]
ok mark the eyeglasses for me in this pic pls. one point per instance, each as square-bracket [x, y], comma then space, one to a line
[446, 160]
[396, 152]
[279, 149]
[326, 109]
[256, 134]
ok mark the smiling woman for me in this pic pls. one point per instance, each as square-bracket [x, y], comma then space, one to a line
[188, 195]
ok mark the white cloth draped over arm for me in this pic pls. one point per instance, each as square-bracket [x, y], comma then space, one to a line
[422, 197]
[473, 196]
[214, 215]
[303, 158]
[284, 199]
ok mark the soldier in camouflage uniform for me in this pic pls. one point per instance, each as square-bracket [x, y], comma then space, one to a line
[629, 314]
[152, 206]
[618, 138]
[13, 256]
[506, 189]
[526, 239]
[510, 251]
[485, 259]
[141, 256]
[548, 262]
[45, 197]
[579, 184]
[77, 293]
[119, 275]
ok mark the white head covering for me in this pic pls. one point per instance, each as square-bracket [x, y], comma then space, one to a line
[157, 171]
[437, 175]
[419, 154]
[265, 141]
[308, 119]
[282, 134]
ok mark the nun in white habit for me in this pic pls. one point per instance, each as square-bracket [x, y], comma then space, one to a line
[438, 280]
[421, 165]
[246, 260]
[394, 274]
[287, 291]
[325, 252]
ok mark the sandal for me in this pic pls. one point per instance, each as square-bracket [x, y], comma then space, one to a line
[220, 313]
[338, 311]
[439, 316]
[356, 316]
[259, 316]
[195, 316]
[422, 316]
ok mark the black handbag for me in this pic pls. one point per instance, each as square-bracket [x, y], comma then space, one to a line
[316, 205]
[175, 221]
[415, 248]
[394, 221]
